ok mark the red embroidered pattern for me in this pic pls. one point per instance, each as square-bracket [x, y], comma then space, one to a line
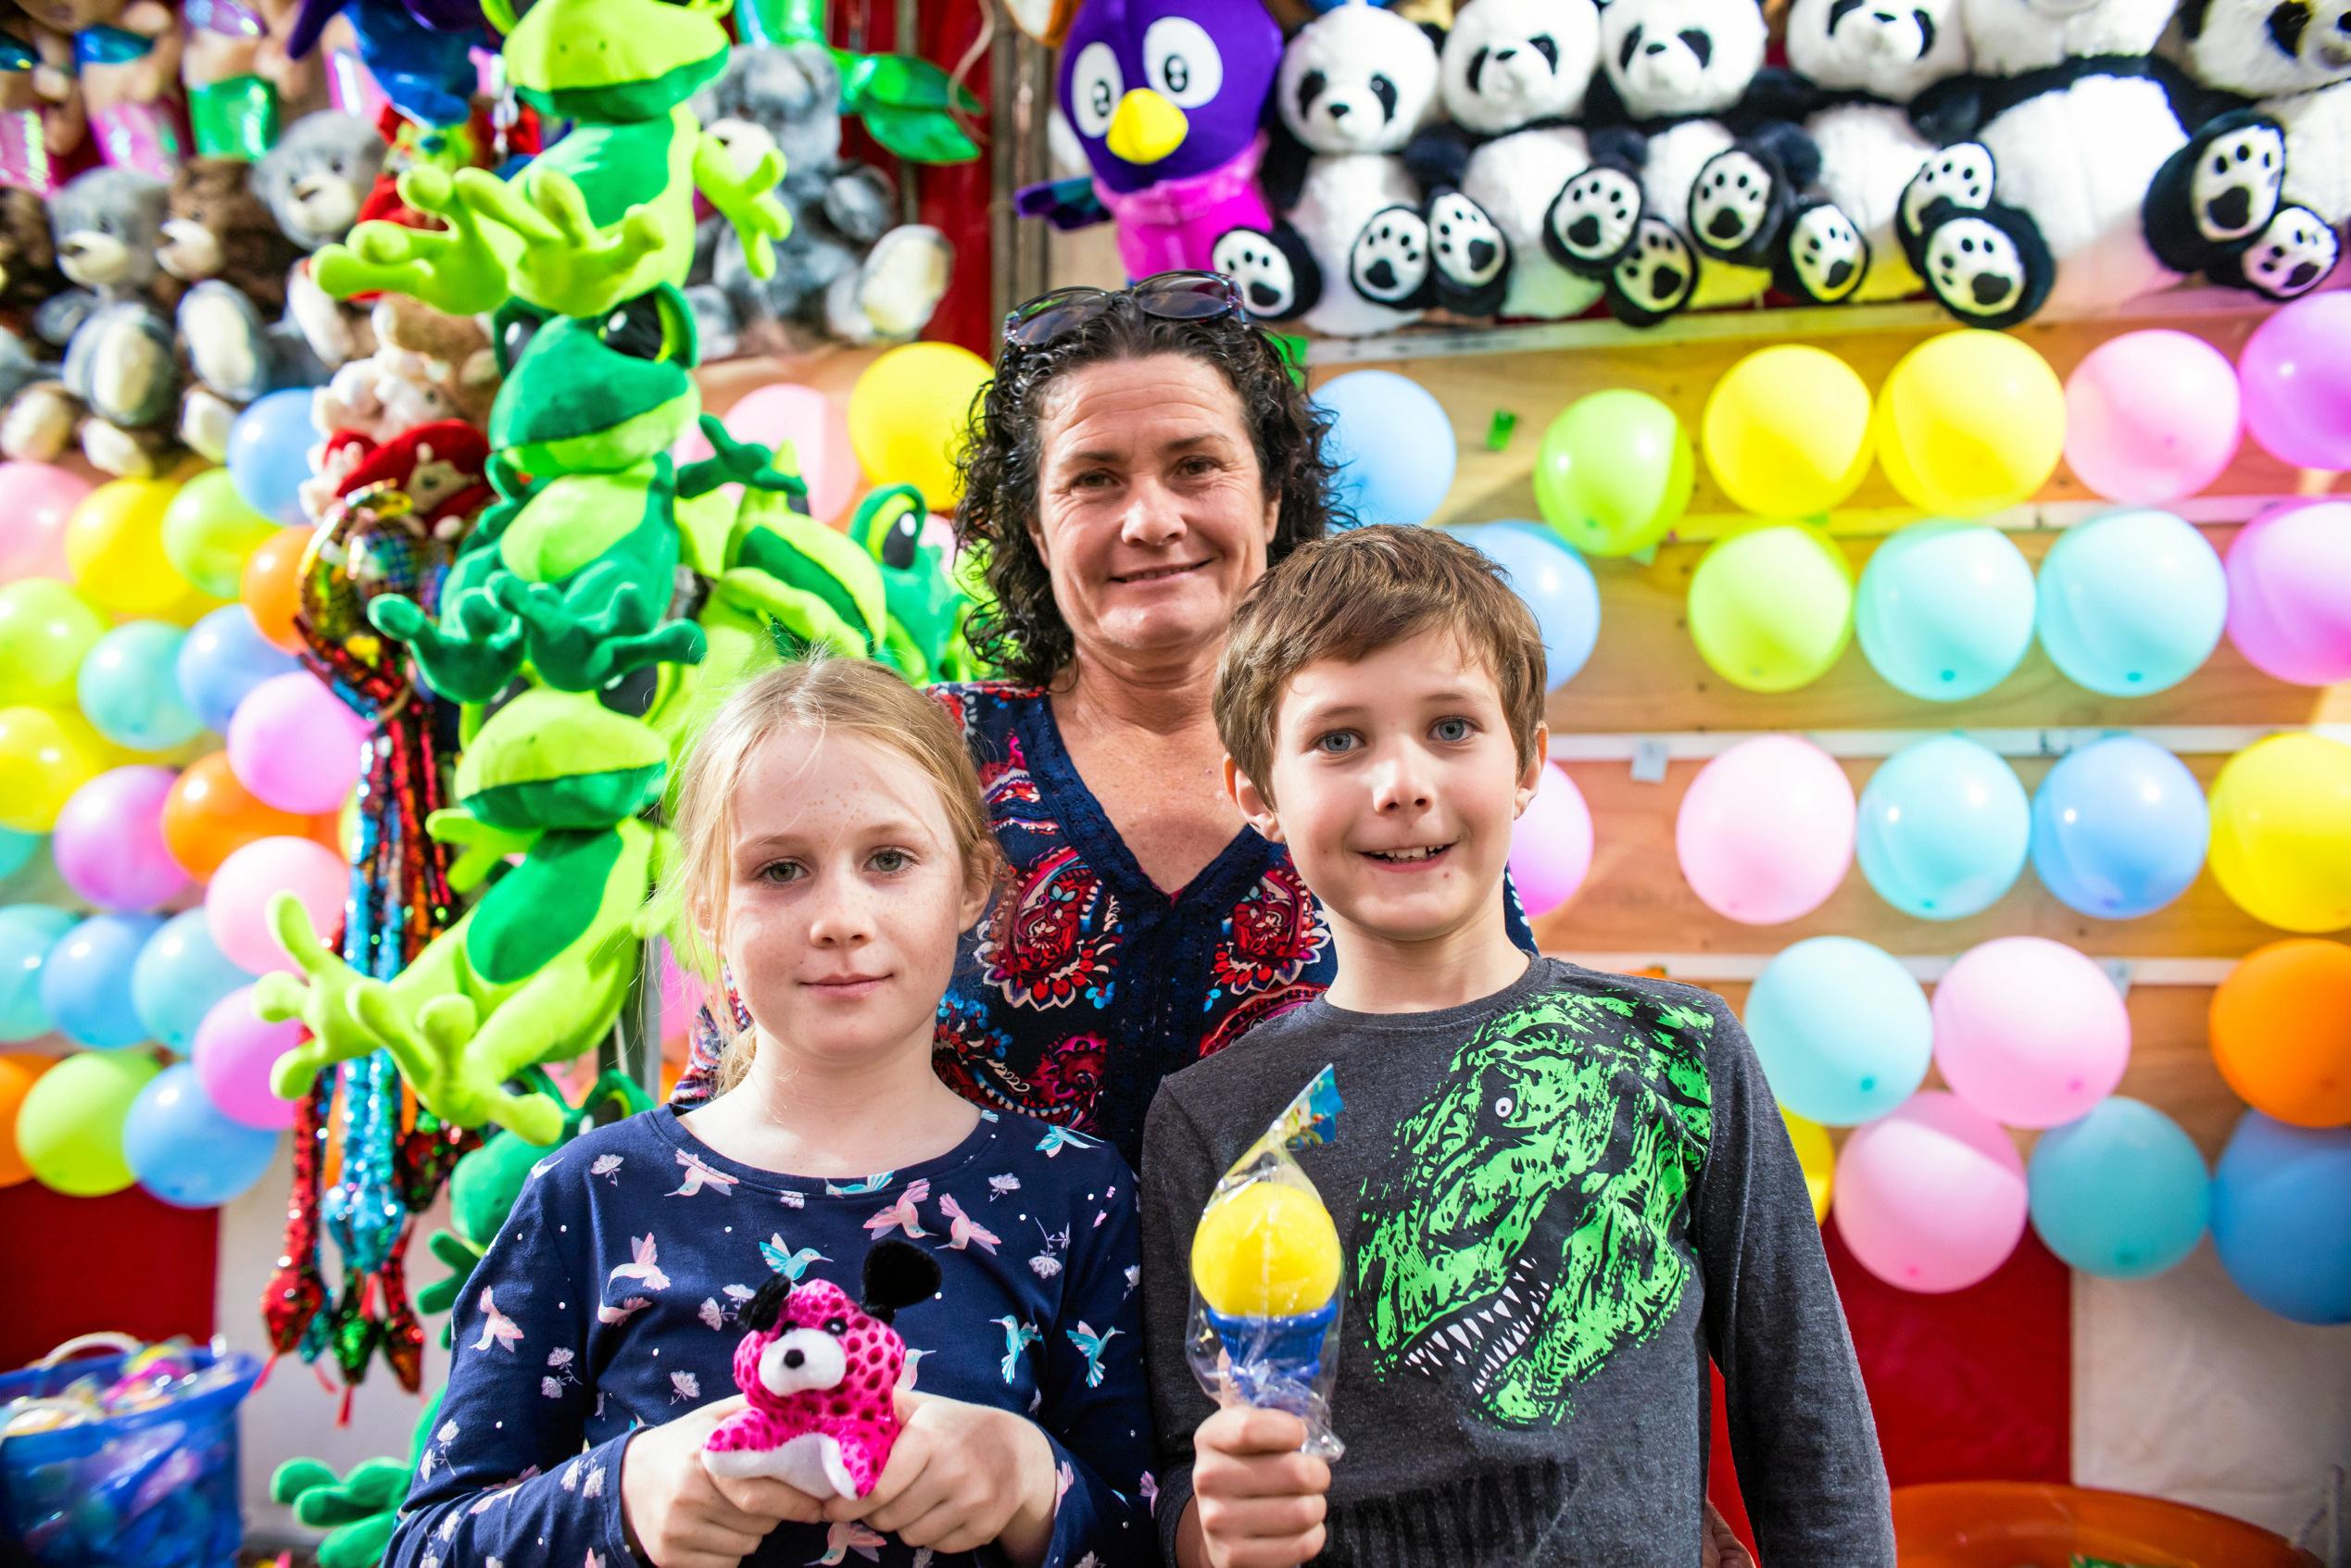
[1272, 934]
[1049, 939]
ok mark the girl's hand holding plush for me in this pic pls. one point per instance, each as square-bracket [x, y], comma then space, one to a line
[677, 1515]
[960, 1477]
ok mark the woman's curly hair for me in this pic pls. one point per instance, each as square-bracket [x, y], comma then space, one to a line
[1019, 628]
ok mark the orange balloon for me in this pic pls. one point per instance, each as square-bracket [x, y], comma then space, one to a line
[18, 1070]
[2281, 1030]
[208, 816]
[271, 588]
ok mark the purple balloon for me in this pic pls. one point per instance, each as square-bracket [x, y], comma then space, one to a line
[2298, 383]
[233, 1052]
[295, 745]
[110, 845]
[2290, 593]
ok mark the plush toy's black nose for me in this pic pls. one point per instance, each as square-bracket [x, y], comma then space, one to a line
[2233, 207]
[1339, 111]
[1990, 288]
[795, 1359]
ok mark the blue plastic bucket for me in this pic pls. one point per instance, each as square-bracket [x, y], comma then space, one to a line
[150, 1489]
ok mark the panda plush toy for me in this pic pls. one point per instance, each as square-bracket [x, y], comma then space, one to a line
[1862, 64]
[1513, 77]
[2082, 185]
[1721, 167]
[2291, 60]
[1360, 248]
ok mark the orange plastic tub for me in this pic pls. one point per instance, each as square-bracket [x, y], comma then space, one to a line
[2030, 1525]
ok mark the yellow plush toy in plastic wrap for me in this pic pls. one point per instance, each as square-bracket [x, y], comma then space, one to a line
[1266, 1276]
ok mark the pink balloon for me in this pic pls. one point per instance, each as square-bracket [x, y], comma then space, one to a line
[40, 497]
[815, 425]
[1932, 1198]
[682, 996]
[295, 745]
[2029, 1032]
[2290, 593]
[2298, 383]
[236, 905]
[108, 843]
[1765, 833]
[2151, 416]
[1551, 844]
[233, 1052]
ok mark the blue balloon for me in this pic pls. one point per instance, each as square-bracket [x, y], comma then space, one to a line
[2281, 1217]
[130, 691]
[1391, 444]
[1842, 1030]
[28, 933]
[1943, 828]
[84, 984]
[2119, 828]
[1554, 583]
[2131, 602]
[16, 849]
[270, 453]
[1945, 609]
[2121, 1193]
[180, 974]
[184, 1150]
[223, 657]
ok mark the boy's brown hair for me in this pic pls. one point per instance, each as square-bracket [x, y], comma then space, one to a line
[1347, 596]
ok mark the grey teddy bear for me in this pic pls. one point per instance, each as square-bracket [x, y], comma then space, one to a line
[314, 181]
[119, 379]
[845, 271]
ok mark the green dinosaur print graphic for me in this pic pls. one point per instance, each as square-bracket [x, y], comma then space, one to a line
[1525, 1234]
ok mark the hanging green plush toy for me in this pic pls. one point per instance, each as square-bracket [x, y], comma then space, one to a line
[926, 605]
[358, 1511]
[605, 213]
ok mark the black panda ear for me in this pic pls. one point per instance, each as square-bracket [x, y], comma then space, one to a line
[2288, 22]
[2192, 15]
[766, 1304]
[1435, 34]
[897, 1275]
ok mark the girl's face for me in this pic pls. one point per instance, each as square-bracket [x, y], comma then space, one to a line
[844, 897]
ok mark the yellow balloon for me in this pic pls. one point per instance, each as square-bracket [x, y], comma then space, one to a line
[1786, 433]
[1816, 1155]
[1970, 422]
[1266, 1250]
[45, 628]
[2282, 832]
[44, 757]
[114, 547]
[908, 415]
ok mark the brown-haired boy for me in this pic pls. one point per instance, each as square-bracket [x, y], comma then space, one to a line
[1558, 1191]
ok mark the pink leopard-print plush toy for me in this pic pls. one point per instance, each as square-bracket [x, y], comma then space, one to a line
[820, 1373]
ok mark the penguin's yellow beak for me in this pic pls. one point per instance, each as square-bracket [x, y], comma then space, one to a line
[1145, 127]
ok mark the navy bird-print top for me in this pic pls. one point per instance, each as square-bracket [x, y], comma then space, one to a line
[612, 1301]
[1086, 984]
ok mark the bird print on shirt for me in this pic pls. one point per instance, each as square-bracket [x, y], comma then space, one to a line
[847, 1535]
[1092, 1345]
[699, 1175]
[962, 1230]
[644, 1265]
[784, 1260]
[859, 1189]
[901, 1214]
[1018, 1336]
[496, 1327]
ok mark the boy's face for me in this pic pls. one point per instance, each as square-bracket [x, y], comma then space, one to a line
[845, 895]
[1395, 783]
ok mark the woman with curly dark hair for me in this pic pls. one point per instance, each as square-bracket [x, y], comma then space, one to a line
[1141, 459]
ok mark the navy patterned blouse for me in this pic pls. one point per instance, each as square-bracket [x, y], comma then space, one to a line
[1086, 984]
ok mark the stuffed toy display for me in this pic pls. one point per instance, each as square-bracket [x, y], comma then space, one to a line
[223, 240]
[820, 1373]
[1863, 66]
[1168, 100]
[844, 270]
[125, 62]
[2291, 62]
[2081, 183]
[315, 181]
[427, 367]
[1514, 77]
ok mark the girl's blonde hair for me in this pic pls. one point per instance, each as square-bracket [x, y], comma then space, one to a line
[852, 697]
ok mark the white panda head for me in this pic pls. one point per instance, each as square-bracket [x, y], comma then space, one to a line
[2264, 48]
[1509, 63]
[1893, 48]
[2008, 36]
[1357, 80]
[1681, 56]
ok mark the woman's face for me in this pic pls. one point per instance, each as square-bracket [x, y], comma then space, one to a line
[1151, 513]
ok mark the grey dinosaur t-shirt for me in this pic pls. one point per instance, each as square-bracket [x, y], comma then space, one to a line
[1552, 1204]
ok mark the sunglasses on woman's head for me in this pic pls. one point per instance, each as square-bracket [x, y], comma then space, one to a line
[1168, 296]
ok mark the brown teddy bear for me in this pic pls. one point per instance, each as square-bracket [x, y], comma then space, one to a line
[28, 256]
[219, 227]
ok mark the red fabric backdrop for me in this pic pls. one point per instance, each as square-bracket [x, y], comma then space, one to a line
[130, 1263]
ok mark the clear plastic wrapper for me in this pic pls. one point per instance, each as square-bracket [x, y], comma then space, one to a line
[1267, 1277]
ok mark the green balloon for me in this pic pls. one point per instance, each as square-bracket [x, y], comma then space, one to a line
[208, 531]
[44, 629]
[70, 1127]
[1771, 609]
[1614, 472]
